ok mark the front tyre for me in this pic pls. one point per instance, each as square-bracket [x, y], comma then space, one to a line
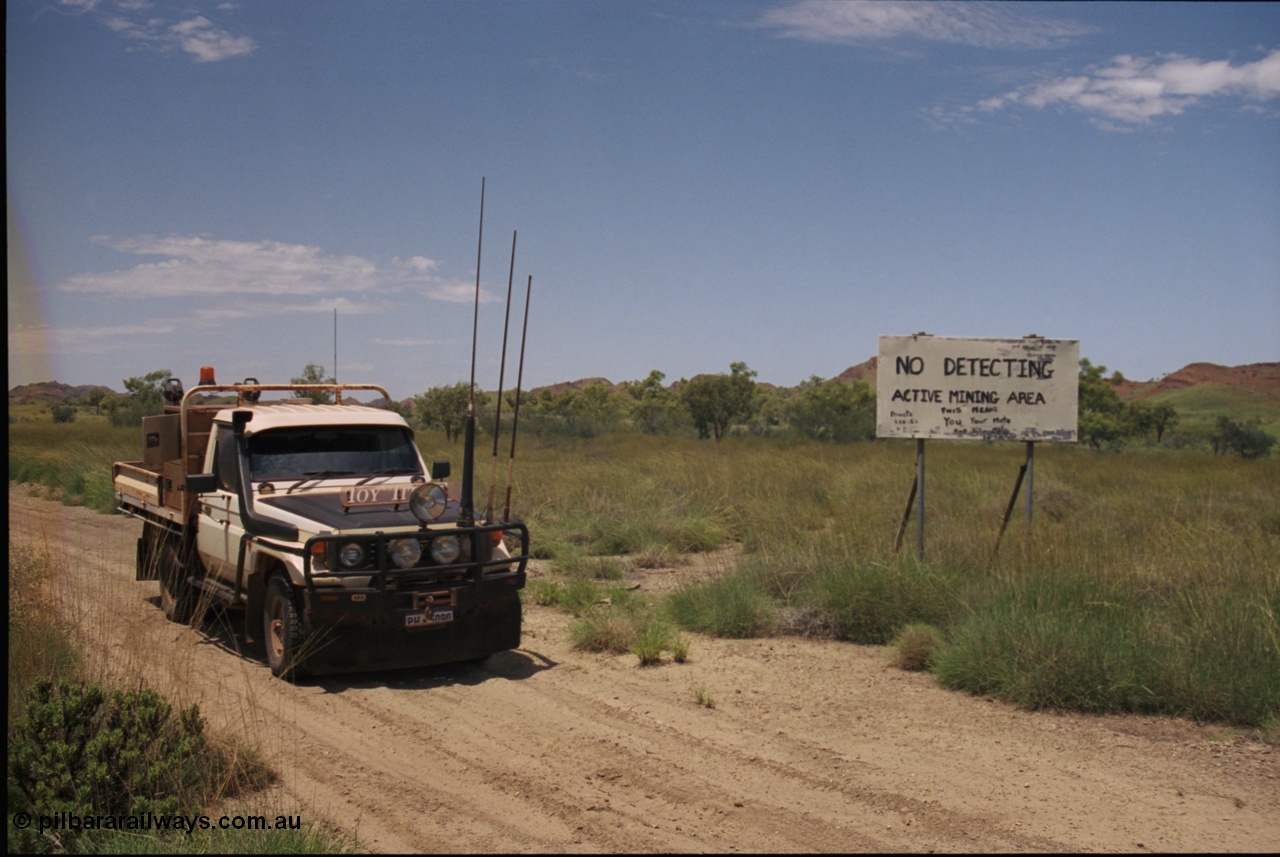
[282, 631]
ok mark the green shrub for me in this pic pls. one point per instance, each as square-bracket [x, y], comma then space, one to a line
[87, 751]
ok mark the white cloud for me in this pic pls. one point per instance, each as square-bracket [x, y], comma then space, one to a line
[145, 26]
[1134, 90]
[193, 267]
[207, 43]
[986, 25]
[264, 272]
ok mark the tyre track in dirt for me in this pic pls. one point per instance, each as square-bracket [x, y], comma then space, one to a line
[811, 746]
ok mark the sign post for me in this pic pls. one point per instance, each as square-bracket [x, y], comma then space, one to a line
[962, 388]
[920, 497]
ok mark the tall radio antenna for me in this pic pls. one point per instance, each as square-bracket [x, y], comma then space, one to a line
[467, 513]
[515, 418]
[502, 371]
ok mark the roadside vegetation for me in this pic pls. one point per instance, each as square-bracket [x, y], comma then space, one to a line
[1148, 580]
[1148, 584]
[86, 744]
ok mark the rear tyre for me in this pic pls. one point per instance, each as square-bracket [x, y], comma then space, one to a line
[177, 595]
[282, 631]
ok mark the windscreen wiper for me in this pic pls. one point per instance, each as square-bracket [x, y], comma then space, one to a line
[389, 471]
[312, 475]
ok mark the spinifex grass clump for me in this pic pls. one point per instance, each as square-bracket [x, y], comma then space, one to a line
[736, 605]
[916, 646]
[868, 602]
[1051, 644]
[1068, 643]
[618, 621]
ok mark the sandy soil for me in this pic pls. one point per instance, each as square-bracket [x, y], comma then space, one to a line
[810, 746]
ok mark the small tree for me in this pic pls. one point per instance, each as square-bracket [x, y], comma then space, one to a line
[1250, 441]
[1163, 418]
[1143, 418]
[833, 410]
[313, 373]
[444, 409]
[1101, 411]
[587, 412]
[655, 409]
[715, 401]
[64, 413]
[95, 397]
[144, 398]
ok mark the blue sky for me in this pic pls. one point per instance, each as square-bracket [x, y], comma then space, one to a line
[692, 184]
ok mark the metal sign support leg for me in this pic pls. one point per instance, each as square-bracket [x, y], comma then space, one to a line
[920, 498]
[1031, 482]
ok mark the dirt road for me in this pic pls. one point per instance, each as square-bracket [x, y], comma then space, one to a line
[810, 746]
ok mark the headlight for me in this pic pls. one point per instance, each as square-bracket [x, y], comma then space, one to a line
[428, 502]
[445, 549]
[351, 555]
[405, 553]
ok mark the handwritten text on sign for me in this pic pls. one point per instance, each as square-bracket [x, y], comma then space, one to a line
[978, 389]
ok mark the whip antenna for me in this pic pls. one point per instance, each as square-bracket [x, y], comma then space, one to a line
[467, 513]
[502, 370]
[515, 419]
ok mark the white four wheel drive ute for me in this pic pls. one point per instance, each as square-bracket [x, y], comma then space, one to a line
[321, 522]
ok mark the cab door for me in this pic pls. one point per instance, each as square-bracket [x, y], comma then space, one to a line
[220, 529]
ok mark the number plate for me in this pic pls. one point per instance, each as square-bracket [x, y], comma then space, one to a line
[427, 617]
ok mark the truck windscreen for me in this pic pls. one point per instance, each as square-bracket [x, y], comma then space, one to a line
[294, 453]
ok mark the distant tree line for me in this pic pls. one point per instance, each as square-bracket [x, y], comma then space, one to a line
[706, 406]
[715, 406]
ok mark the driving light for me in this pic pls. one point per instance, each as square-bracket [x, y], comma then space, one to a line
[351, 555]
[445, 549]
[428, 502]
[405, 553]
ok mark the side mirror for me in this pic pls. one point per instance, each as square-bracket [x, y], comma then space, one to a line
[202, 483]
[440, 470]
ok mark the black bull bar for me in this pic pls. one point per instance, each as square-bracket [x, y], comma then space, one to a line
[423, 615]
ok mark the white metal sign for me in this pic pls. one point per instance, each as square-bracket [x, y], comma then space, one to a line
[977, 389]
